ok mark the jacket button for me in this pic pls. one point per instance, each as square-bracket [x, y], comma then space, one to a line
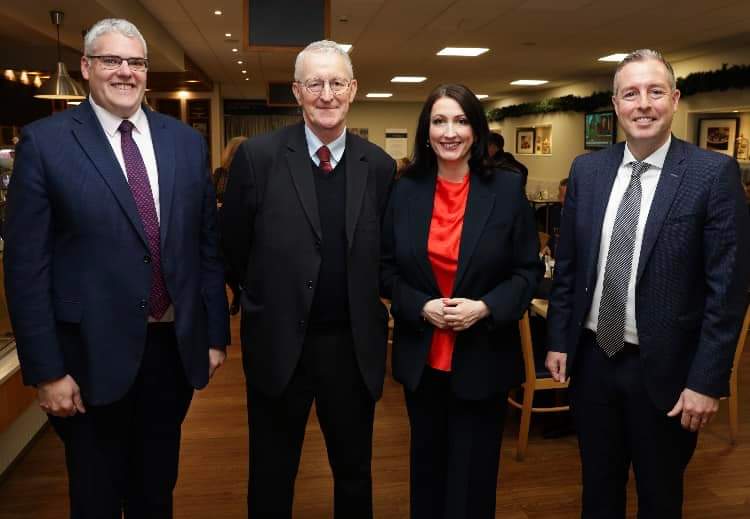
[143, 303]
[146, 259]
[310, 285]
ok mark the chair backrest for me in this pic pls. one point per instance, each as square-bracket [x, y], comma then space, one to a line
[740, 345]
[527, 347]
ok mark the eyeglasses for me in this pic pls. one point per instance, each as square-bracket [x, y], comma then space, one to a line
[115, 62]
[315, 86]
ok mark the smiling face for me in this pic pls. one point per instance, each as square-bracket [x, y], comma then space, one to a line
[451, 135]
[645, 104]
[324, 113]
[118, 91]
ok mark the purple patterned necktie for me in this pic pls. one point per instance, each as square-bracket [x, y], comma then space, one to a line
[158, 299]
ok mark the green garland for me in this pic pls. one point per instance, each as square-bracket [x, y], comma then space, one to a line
[736, 76]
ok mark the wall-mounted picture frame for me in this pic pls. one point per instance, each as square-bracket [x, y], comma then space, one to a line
[525, 141]
[599, 130]
[719, 134]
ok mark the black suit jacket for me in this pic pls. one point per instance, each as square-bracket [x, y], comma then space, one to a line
[77, 271]
[693, 268]
[498, 263]
[271, 237]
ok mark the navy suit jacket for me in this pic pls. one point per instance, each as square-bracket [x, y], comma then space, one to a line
[77, 266]
[692, 273]
[498, 262]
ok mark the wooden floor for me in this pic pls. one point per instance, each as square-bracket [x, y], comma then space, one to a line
[214, 465]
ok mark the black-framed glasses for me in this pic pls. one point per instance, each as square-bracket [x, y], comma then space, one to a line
[315, 86]
[115, 62]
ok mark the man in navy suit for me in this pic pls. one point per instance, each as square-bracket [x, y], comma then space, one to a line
[650, 288]
[114, 284]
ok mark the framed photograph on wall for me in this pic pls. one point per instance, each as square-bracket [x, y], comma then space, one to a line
[599, 130]
[525, 141]
[719, 134]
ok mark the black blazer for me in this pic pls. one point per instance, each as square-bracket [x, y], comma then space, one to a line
[693, 268]
[498, 263]
[271, 236]
[77, 269]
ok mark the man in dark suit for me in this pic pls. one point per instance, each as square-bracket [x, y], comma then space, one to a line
[114, 284]
[648, 298]
[505, 159]
[301, 234]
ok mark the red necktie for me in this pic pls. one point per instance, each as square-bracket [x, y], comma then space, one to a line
[158, 299]
[324, 154]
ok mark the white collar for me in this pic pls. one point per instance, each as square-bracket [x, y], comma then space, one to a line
[656, 159]
[336, 146]
[111, 122]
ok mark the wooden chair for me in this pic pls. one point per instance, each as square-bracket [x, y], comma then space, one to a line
[536, 380]
[734, 424]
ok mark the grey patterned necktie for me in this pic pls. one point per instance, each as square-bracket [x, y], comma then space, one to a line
[610, 330]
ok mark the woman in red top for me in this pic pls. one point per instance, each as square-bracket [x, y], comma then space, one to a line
[460, 264]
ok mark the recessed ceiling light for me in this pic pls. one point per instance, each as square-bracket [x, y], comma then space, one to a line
[529, 82]
[462, 51]
[346, 47]
[482, 96]
[408, 79]
[192, 81]
[228, 34]
[217, 13]
[235, 50]
[613, 57]
[239, 62]
[244, 71]
[247, 79]
[379, 94]
[182, 94]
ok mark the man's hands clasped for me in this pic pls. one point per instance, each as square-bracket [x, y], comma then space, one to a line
[455, 314]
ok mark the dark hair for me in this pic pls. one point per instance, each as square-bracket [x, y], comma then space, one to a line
[424, 161]
[564, 182]
[497, 139]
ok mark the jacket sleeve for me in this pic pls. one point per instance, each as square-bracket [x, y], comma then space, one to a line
[727, 274]
[212, 268]
[562, 297]
[406, 301]
[28, 234]
[508, 300]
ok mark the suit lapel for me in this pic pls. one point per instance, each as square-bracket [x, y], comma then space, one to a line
[356, 182]
[94, 143]
[666, 189]
[478, 208]
[604, 180]
[165, 163]
[420, 216]
[298, 161]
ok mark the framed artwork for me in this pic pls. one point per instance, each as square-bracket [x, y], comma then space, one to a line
[599, 130]
[525, 141]
[719, 135]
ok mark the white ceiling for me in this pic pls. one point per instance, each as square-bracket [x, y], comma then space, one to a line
[558, 40]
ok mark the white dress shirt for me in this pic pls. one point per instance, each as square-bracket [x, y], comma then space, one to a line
[649, 180]
[336, 147]
[142, 136]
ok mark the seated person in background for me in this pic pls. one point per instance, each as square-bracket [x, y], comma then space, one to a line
[504, 159]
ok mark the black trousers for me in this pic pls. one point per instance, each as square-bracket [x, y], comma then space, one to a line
[123, 457]
[618, 425]
[328, 374]
[455, 450]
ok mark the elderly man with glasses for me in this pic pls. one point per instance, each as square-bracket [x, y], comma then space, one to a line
[113, 279]
[301, 234]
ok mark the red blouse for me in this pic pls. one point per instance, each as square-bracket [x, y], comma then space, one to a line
[442, 250]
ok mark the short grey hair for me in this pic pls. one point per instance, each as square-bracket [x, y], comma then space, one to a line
[322, 47]
[107, 26]
[645, 55]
